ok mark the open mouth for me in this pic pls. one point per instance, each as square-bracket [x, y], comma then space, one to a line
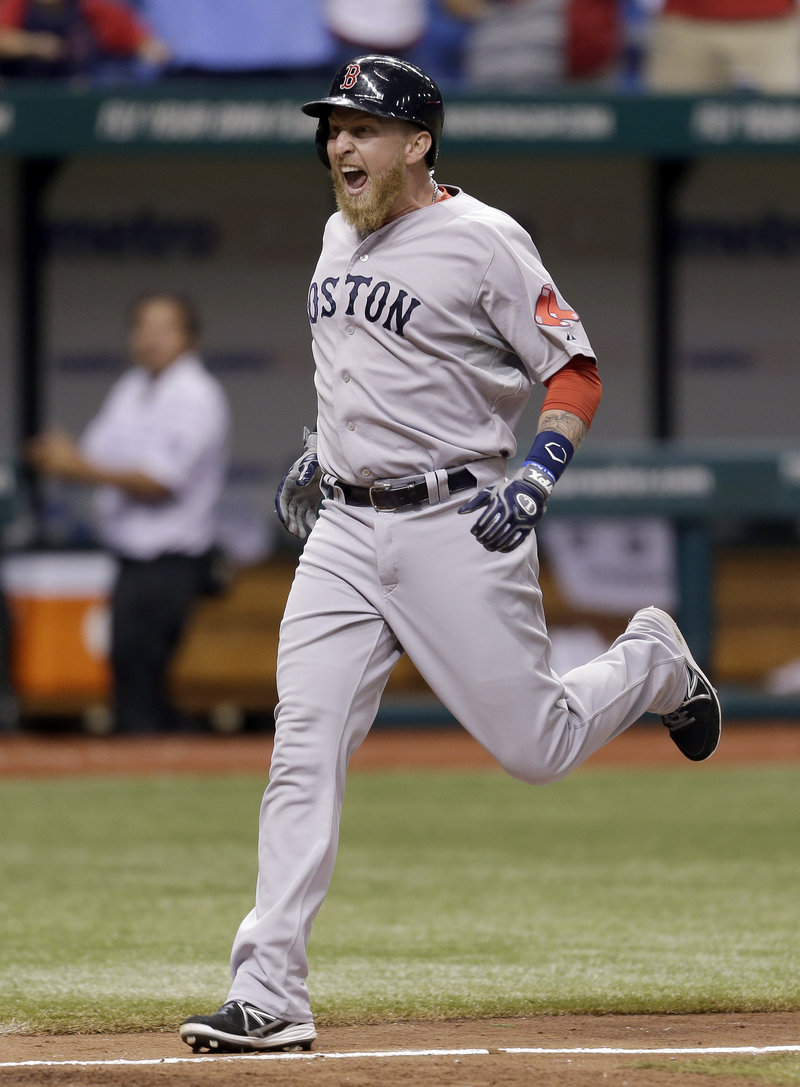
[355, 179]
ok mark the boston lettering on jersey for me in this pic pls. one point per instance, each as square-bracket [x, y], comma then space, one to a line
[373, 300]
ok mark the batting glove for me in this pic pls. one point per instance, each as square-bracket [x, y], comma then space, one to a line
[513, 507]
[298, 496]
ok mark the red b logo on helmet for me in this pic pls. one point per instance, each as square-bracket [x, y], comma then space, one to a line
[350, 76]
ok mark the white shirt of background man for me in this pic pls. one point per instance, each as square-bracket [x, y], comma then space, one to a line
[173, 428]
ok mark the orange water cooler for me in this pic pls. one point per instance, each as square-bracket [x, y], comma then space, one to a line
[59, 608]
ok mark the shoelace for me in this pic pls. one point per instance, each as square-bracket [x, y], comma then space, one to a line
[677, 719]
[682, 715]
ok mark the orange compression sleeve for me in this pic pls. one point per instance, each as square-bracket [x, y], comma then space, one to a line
[575, 388]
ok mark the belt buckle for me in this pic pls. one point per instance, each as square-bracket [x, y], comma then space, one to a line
[375, 491]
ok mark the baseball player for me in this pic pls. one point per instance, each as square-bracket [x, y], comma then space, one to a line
[432, 317]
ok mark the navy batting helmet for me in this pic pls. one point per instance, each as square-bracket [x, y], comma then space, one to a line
[385, 87]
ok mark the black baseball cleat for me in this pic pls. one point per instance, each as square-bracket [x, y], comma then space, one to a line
[238, 1027]
[696, 724]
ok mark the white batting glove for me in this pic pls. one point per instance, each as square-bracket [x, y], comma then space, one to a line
[298, 496]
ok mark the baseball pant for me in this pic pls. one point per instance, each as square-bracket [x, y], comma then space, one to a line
[368, 586]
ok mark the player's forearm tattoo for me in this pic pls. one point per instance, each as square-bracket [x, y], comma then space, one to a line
[564, 422]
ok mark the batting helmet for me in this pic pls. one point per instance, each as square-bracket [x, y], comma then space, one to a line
[385, 87]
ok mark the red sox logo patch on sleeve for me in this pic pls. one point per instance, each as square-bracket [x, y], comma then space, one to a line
[352, 72]
[548, 311]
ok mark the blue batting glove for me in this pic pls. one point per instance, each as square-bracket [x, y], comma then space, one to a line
[513, 507]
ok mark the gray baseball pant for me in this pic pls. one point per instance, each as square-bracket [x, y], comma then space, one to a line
[368, 586]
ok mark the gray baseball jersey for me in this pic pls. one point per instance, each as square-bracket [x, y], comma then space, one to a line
[428, 336]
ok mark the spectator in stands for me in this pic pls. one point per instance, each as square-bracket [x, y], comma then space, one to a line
[156, 454]
[708, 46]
[258, 38]
[440, 52]
[376, 26]
[57, 39]
[527, 45]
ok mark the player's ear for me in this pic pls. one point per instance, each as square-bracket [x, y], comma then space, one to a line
[417, 145]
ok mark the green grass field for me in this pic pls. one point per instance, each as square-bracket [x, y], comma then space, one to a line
[456, 894]
[780, 1070]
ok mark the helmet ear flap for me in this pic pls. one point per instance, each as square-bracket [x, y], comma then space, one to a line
[321, 142]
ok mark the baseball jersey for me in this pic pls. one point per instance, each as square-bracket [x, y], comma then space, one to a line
[428, 336]
[173, 428]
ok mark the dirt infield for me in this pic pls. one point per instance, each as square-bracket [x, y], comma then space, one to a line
[379, 1055]
[30, 755]
[562, 1051]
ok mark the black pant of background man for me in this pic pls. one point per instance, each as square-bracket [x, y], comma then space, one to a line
[150, 605]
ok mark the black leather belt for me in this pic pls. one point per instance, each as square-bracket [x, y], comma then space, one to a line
[388, 496]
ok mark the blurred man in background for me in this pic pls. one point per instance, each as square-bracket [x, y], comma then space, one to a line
[527, 45]
[376, 26]
[64, 39]
[708, 46]
[242, 38]
[157, 455]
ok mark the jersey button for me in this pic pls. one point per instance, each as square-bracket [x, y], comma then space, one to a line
[350, 330]
[364, 256]
[366, 472]
[351, 426]
[345, 377]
